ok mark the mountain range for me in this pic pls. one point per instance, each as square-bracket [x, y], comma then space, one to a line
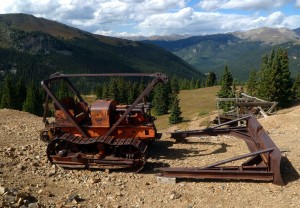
[35, 47]
[241, 51]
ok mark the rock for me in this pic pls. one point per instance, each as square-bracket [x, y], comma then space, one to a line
[10, 199]
[175, 195]
[11, 149]
[21, 167]
[2, 190]
[33, 205]
[74, 198]
[52, 170]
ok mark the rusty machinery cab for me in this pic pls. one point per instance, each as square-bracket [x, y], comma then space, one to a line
[103, 134]
[99, 117]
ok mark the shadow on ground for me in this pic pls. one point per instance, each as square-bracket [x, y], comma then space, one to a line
[288, 172]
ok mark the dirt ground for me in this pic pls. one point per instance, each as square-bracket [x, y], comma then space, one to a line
[27, 179]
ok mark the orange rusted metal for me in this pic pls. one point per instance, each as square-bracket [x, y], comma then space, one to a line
[264, 157]
[103, 135]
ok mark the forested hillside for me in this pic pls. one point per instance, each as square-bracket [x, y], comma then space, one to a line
[240, 51]
[34, 47]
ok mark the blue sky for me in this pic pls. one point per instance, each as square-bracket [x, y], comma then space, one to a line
[162, 17]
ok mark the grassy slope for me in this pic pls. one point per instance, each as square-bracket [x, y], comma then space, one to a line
[193, 103]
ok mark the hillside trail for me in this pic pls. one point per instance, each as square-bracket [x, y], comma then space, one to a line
[27, 178]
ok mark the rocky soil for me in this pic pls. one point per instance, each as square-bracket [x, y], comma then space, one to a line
[27, 179]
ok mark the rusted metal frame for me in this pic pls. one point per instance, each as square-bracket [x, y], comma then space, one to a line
[46, 86]
[263, 141]
[75, 91]
[227, 172]
[230, 173]
[46, 109]
[159, 78]
[264, 163]
[237, 158]
[57, 76]
[215, 130]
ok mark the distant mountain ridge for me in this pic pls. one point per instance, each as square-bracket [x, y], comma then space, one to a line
[241, 51]
[36, 47]
[267, 35]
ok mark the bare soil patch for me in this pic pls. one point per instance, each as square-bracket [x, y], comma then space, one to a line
[27, 179]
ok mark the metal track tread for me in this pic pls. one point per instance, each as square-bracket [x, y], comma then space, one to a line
[75, 160]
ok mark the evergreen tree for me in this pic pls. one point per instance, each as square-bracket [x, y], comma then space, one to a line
[174, 85]
[265, 78]
[123, 90]
[32, 102]
[210, 79]
[275, 83]
[296, 87]
[8, 93]
[197, 84]
[192, 84]
[104, 91]
[226, 83]
[133, 93]
[282, 83]
[226, 89]
[252, 83]
[63, 91]
[175, 115]
[183, 84]
[160, 100]
[113, 91]
[20, 94]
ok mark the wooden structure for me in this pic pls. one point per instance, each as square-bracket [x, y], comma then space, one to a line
[241, 106]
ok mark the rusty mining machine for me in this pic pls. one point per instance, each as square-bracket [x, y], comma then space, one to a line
[104, 135]
[107, 135]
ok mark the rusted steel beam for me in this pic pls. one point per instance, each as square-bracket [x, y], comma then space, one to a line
[233, 173]
[264, 162]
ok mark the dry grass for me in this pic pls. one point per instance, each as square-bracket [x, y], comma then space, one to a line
[193, 103]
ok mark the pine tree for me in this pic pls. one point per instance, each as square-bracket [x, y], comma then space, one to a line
[134, 93]
[197, 84]
[192, 84]
[264, 79]
[296, 87]
[226, 89]
[175, 115]
[98, 91]
[20, 94]
[31, 103]
[210, 79]
[160, 100]
[174, 85]
[282, 81]
[275, 83]
[8, 93]
[63, 90]
[104, 94]
[226, 83]
[252, 83]
[113, 91]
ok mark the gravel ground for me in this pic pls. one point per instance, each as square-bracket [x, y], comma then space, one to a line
[27, 179]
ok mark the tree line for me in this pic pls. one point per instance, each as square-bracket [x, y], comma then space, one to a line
[15, 94]
[272, 82]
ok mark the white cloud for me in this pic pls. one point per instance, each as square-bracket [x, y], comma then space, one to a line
[297, 3]
[292, 21]
[187, 21]
[154, 17]
[241, 4]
